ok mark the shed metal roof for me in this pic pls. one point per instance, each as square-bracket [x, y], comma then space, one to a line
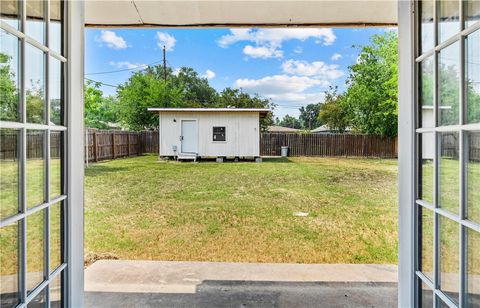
[262, 111]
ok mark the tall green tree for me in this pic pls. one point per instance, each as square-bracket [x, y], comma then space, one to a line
[309, 116]
[291, 122]
[197, 90]
[332, 114]
[100, 111]
[35, 101]
[8, 90]
[234, 98]
[148, 88]
[144, 90]
[92, 99]
[371, 97]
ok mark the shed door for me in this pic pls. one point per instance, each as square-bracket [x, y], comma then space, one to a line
[189, 136]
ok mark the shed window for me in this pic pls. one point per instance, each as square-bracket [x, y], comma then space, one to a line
[219, 133]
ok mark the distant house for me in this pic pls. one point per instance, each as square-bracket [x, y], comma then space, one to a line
[191, 133]
[281, 129]
[325, 130]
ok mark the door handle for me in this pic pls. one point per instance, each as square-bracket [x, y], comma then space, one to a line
[181, 138]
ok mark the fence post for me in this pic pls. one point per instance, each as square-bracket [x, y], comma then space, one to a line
[128, 143]
[113, 145]
[95, 146]
[363, 145]
[87, 147]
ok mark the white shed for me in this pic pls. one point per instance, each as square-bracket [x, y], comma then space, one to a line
[190, 133]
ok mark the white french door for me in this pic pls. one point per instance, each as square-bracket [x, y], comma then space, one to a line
[41, 214]
[447, 167]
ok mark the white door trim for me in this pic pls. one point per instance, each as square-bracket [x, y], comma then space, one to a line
[75, 157]
[406, 155]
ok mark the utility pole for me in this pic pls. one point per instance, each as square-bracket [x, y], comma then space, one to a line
[164, 65]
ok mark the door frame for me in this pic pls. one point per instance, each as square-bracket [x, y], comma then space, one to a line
[181, 135]
[74, 291]
[406, 154]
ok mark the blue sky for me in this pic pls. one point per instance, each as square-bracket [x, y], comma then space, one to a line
[293, 66]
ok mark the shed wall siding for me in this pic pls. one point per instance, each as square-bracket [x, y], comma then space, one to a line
[242, 133]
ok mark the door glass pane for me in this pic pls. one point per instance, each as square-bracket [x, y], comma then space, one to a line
[449, 172]
[426, 25]
[442, 304]
[9, 10]
[55, 236]
[426, 299]
[449, 19]
[9, 296]
[35, 84]
[449, 75]
[427, 141]
[36, 20]
[35, 249]
[426, 93]
[473, 76]
[426, 242]
[55, 164]
[473, 176]
[35, 168]
[55, 37]
[55, 91]
[472, 12]
[449, 275]
[9, 171]
[473, 268]
[9, 64]
[39, 301]
[56, 292]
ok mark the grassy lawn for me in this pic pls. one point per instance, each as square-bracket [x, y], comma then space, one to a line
[139, 208]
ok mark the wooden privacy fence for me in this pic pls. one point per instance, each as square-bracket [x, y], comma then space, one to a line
[328, 145]
[449, 145]
[115, 144]
[103, 144]
[36, 141]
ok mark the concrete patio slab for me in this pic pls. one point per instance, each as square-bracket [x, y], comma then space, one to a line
[117, 283]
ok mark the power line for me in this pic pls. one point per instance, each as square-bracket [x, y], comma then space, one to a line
[102, 83]
[126, 69]
[292, 107]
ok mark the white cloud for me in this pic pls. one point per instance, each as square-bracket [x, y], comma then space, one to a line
[176, 71]
[262, 52]
[318, 69]
[209, 74]
[279, 84]
[336, 57]
[277, 36]
[268, 42]
[301, 83]
[167, 40]
[112, 40]
[298, 49]
[298, 98]
[288, 92]
[126, 64]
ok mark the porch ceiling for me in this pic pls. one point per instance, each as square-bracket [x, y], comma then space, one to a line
[189, 13]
